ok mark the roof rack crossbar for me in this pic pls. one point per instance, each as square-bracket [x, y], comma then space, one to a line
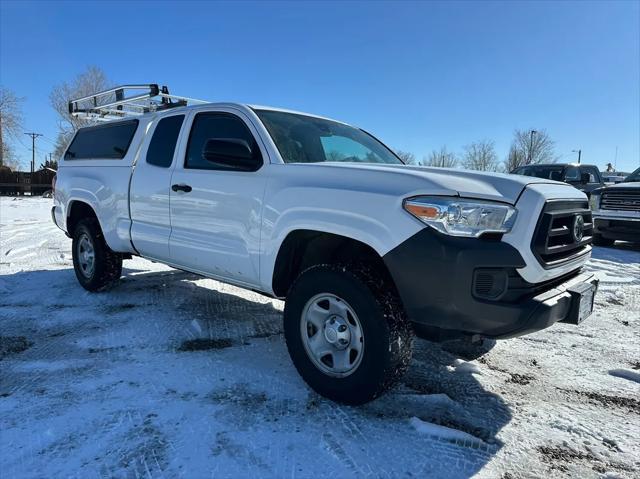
[185, 98]
[124, 101]
[115, 104]
[152, 87]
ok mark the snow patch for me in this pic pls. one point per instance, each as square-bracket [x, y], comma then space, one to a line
[609, 278]
[443, 432]
[461, 366]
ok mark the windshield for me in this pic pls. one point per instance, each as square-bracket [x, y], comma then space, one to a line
[547, 172]
[635, 176]
[305, 139]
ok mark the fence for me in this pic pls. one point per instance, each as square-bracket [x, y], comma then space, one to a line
[16, 183]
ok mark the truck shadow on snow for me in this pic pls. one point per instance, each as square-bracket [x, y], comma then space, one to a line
[438, 420]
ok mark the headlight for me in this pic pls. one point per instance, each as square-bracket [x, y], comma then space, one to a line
[460, 217]
[594, 201]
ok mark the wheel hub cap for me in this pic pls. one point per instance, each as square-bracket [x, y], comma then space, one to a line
[86, 255]
[336, 332]
[332, 335]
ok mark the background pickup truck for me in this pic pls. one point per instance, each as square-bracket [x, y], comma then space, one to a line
[616, 211]
[366, 250]
[584, 177]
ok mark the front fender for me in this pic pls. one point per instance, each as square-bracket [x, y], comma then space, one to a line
[381, 226]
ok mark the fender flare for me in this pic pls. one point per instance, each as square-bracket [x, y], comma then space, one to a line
[367, 230]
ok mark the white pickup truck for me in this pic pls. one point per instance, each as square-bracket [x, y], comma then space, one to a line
[366, 250]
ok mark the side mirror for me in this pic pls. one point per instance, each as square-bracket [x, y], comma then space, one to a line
[584, 178]
[230, 154]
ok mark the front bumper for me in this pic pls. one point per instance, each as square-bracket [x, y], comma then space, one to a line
[618, 228]
[434, 275]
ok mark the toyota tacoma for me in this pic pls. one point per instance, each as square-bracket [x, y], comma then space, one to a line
[367, 251]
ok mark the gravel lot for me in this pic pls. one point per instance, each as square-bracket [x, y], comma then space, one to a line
[172, 375]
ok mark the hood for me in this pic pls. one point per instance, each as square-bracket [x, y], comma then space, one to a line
[449, 181]
[631, 185]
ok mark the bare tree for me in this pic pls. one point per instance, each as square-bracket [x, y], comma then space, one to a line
[514, 159]
[407, 157]
[530, 147]
[92, 80]
[10, 124]
[480, 155]
[441, 158]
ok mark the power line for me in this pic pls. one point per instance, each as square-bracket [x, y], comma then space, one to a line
[26, 147]
[45, 138]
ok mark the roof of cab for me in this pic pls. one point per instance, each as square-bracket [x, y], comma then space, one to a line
[150, 116]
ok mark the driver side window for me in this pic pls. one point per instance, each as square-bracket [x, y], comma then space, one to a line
[224, 126]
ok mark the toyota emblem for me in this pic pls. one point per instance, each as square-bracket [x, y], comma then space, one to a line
[578, 228]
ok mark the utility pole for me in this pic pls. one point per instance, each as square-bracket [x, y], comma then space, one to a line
[33, 157]
[579, 152]
[33, 149]
[533, 132]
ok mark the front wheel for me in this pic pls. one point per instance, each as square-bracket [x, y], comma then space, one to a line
[95, 264]
[347, 333]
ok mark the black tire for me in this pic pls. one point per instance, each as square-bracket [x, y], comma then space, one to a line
[600, 240]
[107, 265]
[388, 336]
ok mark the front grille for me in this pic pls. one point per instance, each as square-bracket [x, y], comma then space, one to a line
[621, 200]
[557, 237]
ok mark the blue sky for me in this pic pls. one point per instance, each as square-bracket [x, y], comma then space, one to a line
[418, 75]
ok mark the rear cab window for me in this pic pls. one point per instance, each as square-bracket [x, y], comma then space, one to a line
[109, 141]
[572, 174]
[163, 142]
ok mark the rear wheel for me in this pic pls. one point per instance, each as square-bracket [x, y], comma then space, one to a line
[600, 240]
[95, 264]
[346, 332]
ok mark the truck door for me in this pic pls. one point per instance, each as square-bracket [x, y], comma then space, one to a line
[150, 190]
[216, 207]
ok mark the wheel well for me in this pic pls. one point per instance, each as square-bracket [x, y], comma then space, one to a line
[302, 249]
[78, 211]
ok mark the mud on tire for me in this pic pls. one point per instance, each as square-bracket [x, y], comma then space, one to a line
[106, 265]
[387, 333]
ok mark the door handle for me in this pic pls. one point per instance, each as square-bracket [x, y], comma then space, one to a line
[181, 187]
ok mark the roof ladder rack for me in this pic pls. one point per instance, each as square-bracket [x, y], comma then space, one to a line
[127, 101]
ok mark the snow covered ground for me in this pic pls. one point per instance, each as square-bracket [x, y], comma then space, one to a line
[171, 375]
